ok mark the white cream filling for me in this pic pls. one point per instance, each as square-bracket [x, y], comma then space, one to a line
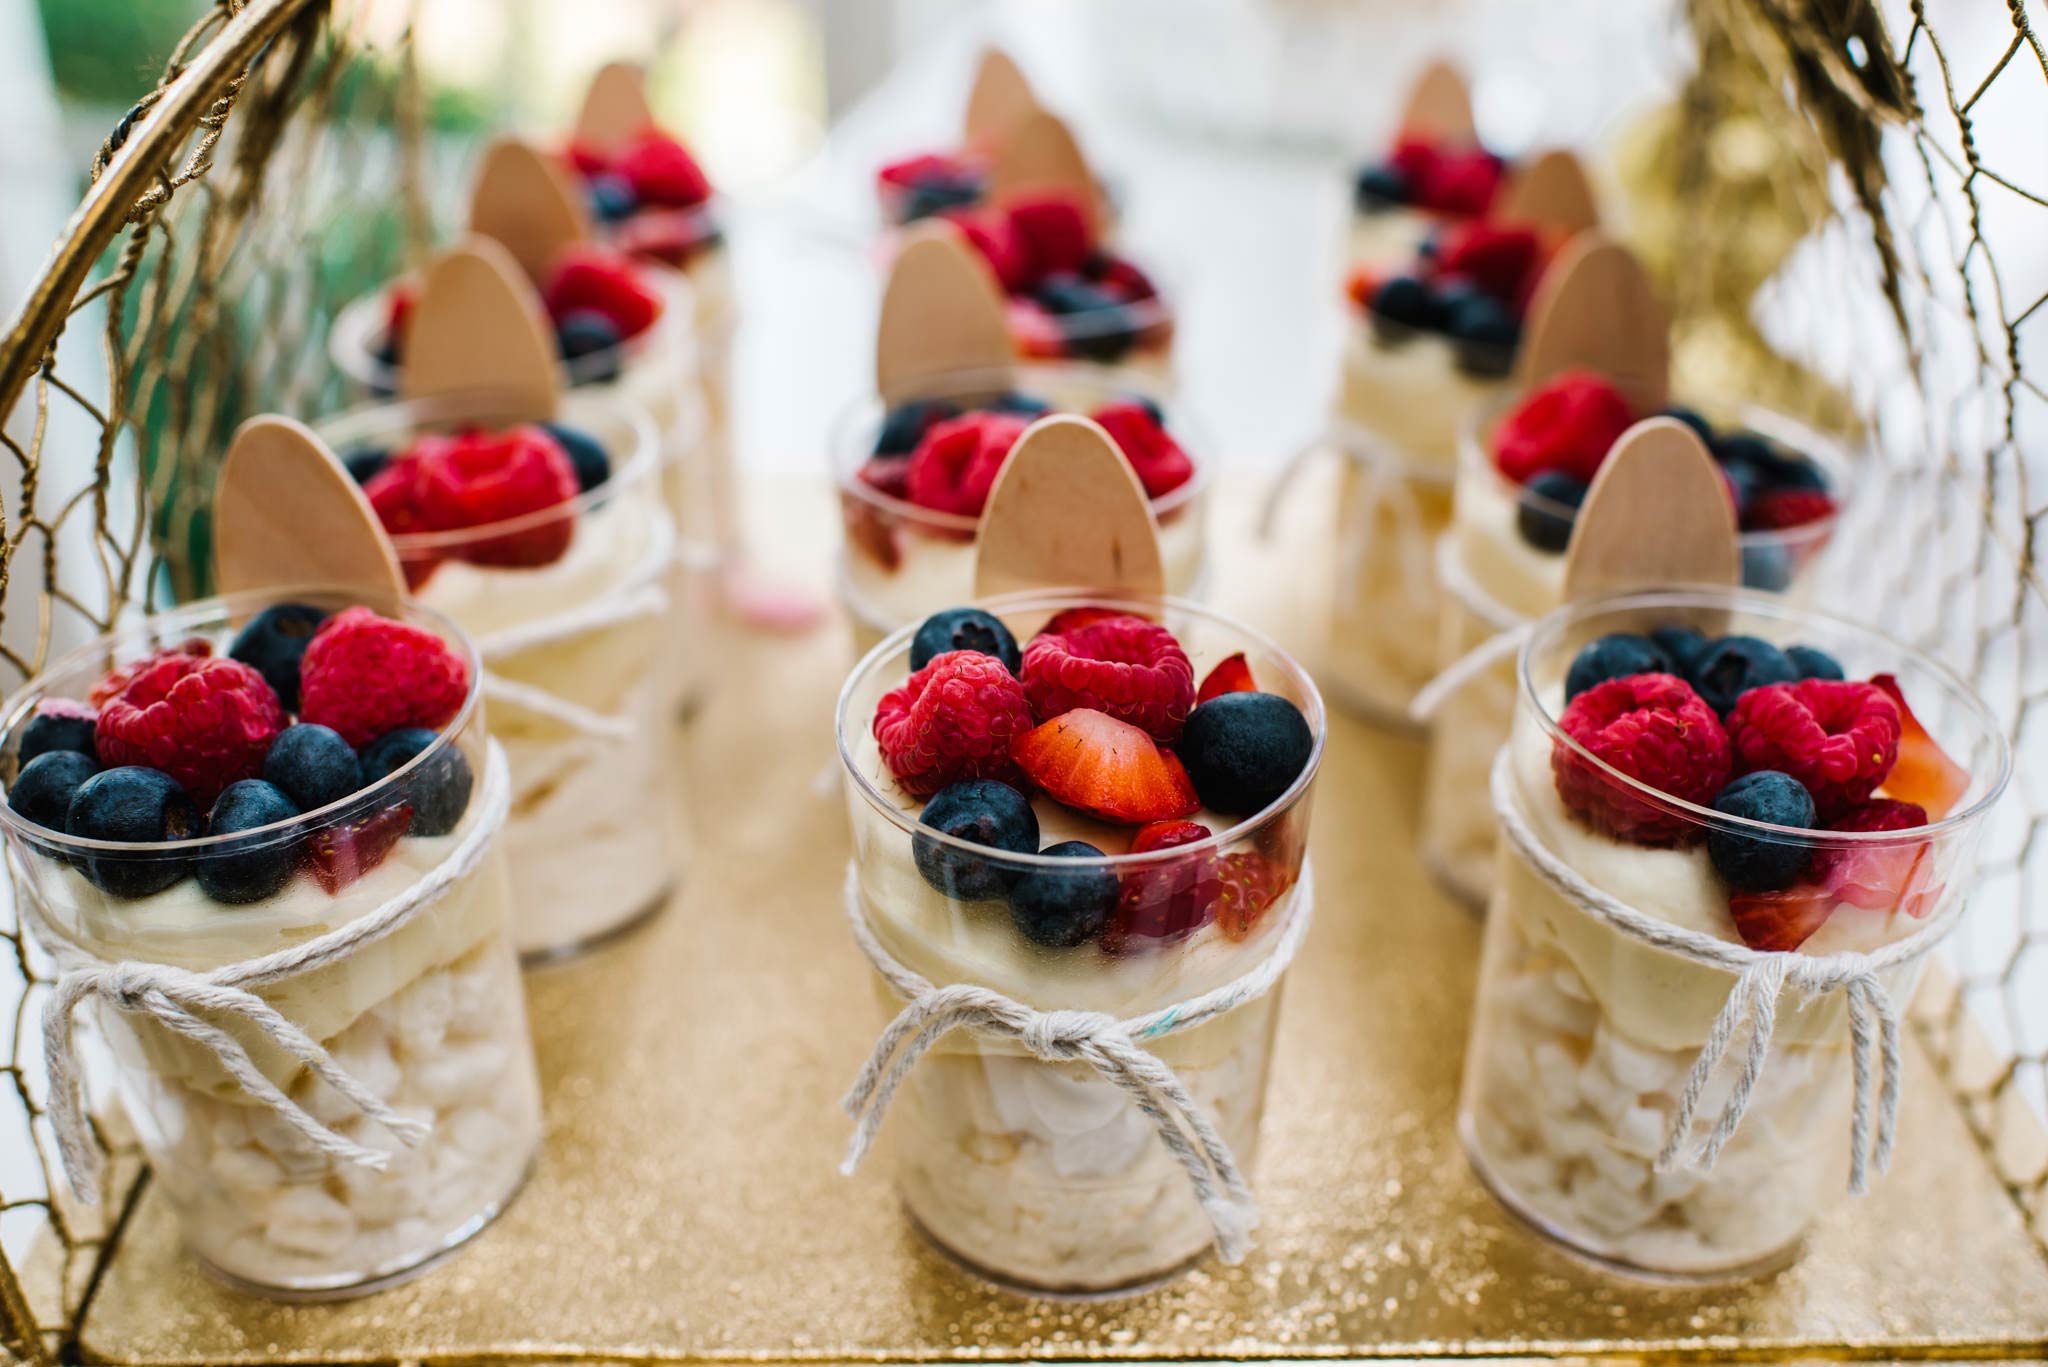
[1410, 393]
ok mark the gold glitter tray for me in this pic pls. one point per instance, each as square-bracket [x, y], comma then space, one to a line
[688, 1206]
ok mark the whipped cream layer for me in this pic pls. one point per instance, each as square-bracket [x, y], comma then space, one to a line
[1411, 393]
[1389, 236]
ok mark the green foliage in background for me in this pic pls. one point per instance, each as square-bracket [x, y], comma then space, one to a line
[110, 51]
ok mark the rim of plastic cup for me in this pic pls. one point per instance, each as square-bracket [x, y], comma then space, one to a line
[364, 425]
[898, 641]
[1547, 630]
[862, 417]
[219, 612]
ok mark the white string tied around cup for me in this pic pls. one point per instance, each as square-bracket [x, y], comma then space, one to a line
[1752, 1003]
[179, 999]
[1108, 1045]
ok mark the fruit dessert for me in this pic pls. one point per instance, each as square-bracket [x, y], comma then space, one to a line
[1070, 296]
[914, 477]
[1521, 479]
[557, 561]
[276, 771]
[927, 184]
[1082, 806]
[1749, 776]
[1424, 184]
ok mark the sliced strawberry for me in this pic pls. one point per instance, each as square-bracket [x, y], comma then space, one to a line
[1169, 900]
[1108, 768]
[1248, 883]
[1884, 877]
[1231, 675]
[1780, 921]
[1923, 773]
[341, 854]
[1362, 284]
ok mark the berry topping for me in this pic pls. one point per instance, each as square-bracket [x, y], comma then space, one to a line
[1058, 908]
[1052, 232]
[584, 334]
[1654, 729]
[339, 855]
[955, 464]
[238, 871]
[1546, 518]
[58, 726]
[1683, 646]
[954, 719]
[365, 462]
[399, 303]
[604, 282]
[1732, 665]
[1767, 465]
[312, 765]
[1247, 884]
[1243, 750]
[1484, 334]
[1780, 922]
[1778, 509]
[964, 629]
[204, 722]
[1814, 664]
[1231, 675]
[993, 236]
[114, 680]
[482, 478]
[1380, 187]
[1924, 773]
[1499, 260]
[1127, 667]
[1568, 424]
[906, 424]
[1758, 861]
[364, 675]
[586, 454]
[1701, 428]
[132, 805]
[1069, 620]
[1839, 739]
[1407, 303]
[272, 643]
[611, 197]
[986, 813]
[1614, 656]
[438, 792]
[1108, 768]
[661, 171]
[1160, 463]
[42, 791]
[1169, 900]
[1881, 876]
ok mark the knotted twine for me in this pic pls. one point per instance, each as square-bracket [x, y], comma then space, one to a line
[180, 1000]
[1108, 1045]
[1752, 1002]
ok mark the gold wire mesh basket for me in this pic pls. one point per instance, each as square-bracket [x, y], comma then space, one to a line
[224, 224]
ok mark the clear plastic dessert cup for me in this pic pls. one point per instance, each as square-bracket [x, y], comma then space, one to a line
[1129, 336]
[581, 653]
[1412, 391]
[1038, 1174]
[1589, 1022]
[429, 1017]
[903, 562]
[1495, 580]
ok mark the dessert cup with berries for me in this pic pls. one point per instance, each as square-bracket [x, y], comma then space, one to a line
[262, 836]
[1734, 830]
[551, 545]
[1086, 817]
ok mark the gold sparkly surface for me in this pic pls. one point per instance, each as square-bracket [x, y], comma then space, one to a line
[688, 1205]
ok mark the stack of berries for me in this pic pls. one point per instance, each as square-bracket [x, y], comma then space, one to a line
[929, 184]
[651, 195]
[1470, 284]
[1069, 295]
[1423, 173]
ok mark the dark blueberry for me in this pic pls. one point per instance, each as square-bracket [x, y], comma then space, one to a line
[1381, 187]
[964, 629]
[438, 790]
[1732, 665]
[984, 812]
[1692, 419]
[586, 453]
[1614, 656]
[1243, 750]
[387, 355]
[935, 195]
[1794, 471]
[1745, 481]
[43, 789]
[365, 463]
[48, 731]
[1774, 466]
[1058, 909]
[1766, 566]
[1752, 861]
[612, 198]
[1065, 294]
[1402, 305]
[586, 332]
[1024, 405]
[248, 871]
[274, 641]
[1681, 645]
[1541, 525]
[1483, 335]
[312, 765]
[132, 805]
[907, 423]
[1814, 664]
[1105, 339]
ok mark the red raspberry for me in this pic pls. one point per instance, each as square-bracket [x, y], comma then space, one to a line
[482, 478]
[1569, 424]
[1127, 667]
[1463, 183]
[1656, 730]
[587, 160]
[954, 719]
[1052, 232]
[394, 494]
[1168, 901]
[662, 172]
[993, 236]
[1161, 465]
[1838, 738]
[955, 463]
[364, 675]
[1779, 509]
[1495, 259]
[114, 680]
[922, 166]
[1416, 158]
[205, 722]
[605, 282]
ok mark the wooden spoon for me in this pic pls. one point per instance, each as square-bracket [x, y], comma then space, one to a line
[1067, 511]
[1594, 310]
[614, 108]
[1440, 105]
[478, 328]
[1000, 99]
[1658, 514]
[942, 311]
[525, 200]
[285, 512]
[1552, 191]
[1040, 155]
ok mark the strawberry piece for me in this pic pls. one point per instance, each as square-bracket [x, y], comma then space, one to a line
[1781, 921]
[481, 479]
[662, 172]
[1495, 259]
[1038, 335]
[955, 464]
[909, 171]
[1361, 284]
[1110, 769]
[1247, 884]
[1157, 458]
[1051, 230]
[605, 282]
[1882, 877]
[1167, 901]
[1568, 424]
[339, 855]
[1923, 772]
[114, 681]
[1231, 675]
